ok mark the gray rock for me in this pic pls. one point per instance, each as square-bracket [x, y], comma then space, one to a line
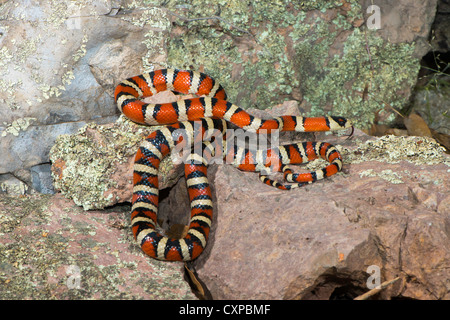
[42, 179]
[47, 87]
[31, 146]
[431, 102]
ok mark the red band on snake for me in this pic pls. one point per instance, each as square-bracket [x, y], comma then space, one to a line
[214, 111]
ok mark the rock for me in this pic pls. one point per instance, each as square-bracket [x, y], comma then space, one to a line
[42, 179]
[39, 139]
[441, 28]
[59, 63]
[394, 16]
[320, 53]
[58, 66]
[431, 102]
[11, 185]
[319, 241]
[51, 249]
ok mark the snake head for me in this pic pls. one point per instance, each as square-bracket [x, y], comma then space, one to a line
[343, 123]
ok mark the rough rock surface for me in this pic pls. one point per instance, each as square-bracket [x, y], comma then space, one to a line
[60, 61]
[318, 242]
[52, 249]
[58, 65]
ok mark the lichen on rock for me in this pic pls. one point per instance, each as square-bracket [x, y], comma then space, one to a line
[83, 163]
[267, 52]
[16, 126]
[393, 149]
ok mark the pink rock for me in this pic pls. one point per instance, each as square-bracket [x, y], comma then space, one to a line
[52, 249]
[318, 242]
[387, 211]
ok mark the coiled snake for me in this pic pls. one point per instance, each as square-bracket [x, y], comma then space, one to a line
[214, 111]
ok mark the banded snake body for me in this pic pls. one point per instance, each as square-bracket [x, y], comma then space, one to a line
[214, 111]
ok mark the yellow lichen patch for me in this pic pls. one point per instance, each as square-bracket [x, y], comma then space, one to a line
[16, 126]
[5, 56]
[81, 52]
[17, 187]
[9, 87]
[393, 149]
[387, 175]
[156, 36]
